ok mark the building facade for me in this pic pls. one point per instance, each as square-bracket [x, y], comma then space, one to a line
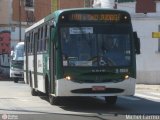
[14, 19]
[5, 35]
[146, 19]
[64, 4]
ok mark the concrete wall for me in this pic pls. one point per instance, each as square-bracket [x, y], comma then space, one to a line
[148, 62]
[62, 4]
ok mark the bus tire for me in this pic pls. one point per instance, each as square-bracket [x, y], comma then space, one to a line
[15, 80]
[47, 88]
[34, 92]
[53, 100]
[110, 100]
[30, 78]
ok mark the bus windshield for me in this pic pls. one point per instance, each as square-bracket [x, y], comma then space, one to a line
[19, 53]
[96, 46]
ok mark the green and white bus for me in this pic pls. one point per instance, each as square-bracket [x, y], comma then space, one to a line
[82, 52]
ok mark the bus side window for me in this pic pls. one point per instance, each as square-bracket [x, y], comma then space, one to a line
[27, 43]
[41, 40]
[46, 37]
[32, 43]
[38, 41]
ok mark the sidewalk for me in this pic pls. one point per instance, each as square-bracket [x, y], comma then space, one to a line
[149, 88]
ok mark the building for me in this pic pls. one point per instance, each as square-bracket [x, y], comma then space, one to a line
[63, 4]
[38, 10]
[15, 17]
[145, 19]
[21, 14]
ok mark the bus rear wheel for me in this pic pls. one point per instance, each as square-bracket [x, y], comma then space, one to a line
[34, 92]
[111, 100]
[53, 100]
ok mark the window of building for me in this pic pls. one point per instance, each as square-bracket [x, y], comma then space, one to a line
[145, 7]
[29, 3]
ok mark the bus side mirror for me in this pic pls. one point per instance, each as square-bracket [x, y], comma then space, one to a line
[137, 43]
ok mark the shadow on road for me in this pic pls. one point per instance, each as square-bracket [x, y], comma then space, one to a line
[98, 106]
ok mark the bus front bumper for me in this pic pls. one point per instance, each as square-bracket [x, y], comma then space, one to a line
[18, 73]
[69, 88]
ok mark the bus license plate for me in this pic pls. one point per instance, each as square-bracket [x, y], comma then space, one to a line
[98, 88]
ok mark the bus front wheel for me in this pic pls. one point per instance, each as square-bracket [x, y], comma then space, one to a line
[34, 92]
[111, 100]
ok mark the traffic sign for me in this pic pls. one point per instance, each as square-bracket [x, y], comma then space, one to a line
[155, 34]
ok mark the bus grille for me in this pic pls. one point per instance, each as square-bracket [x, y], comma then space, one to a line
[89, 90]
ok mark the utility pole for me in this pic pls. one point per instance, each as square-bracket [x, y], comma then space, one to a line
[20, 21]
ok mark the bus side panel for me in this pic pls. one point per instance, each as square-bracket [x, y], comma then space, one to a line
[25, 71]
[31, 70]
[40, 78]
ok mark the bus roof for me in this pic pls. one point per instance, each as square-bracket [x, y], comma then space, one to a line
[55, 15]
[20, 43]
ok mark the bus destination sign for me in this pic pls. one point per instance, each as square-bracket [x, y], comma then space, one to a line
[95, 17]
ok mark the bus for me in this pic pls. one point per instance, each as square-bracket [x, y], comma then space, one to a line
[82, 52]
[17, 62]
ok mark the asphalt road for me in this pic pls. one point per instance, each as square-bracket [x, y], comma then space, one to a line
[16, 103]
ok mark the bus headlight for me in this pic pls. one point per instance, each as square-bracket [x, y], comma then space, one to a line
[68, 78]
[126, 77]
